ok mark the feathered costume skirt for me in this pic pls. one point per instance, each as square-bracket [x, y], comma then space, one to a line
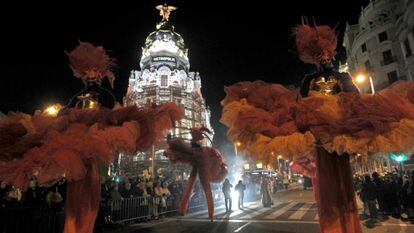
[319, 133]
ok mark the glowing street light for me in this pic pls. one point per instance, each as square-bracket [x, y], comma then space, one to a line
[259, 165]
[361, 78]
[237, 144]
[247, 166]
[52, 110]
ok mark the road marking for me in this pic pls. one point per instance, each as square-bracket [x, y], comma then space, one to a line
[204, 212]
[277, 221]
[281, 211]
[301, 211]
[240, 228]
[221, 210]
[256, 213]
[246, 220]
[239, 212]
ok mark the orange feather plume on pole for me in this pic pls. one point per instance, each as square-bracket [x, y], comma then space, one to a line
[91, 63]
[315, 44]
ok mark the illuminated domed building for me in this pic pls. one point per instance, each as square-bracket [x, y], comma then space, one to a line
[165, 77]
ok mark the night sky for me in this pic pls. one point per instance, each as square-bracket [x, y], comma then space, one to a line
[248, 40]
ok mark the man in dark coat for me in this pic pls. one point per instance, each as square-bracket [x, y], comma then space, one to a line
[368, 196]
[379, 191]
[227, 194]
[240, 187]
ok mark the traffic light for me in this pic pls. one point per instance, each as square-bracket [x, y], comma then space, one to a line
[399, 157]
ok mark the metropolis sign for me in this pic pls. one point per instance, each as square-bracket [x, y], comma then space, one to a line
[163, 59]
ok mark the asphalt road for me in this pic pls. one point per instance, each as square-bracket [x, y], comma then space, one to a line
[294, 211]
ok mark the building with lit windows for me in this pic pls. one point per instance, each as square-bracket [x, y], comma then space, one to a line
[165, 76]
[381, 45]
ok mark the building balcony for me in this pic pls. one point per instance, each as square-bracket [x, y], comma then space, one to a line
[388, 61]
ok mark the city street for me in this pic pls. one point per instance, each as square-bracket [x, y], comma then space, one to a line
[162, 112]
[294, 211]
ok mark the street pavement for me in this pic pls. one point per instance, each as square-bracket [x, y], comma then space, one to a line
[293, 211]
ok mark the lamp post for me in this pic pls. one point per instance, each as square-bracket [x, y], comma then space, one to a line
[360, 78]
[237, 144]
[52, 110]
[278, 162]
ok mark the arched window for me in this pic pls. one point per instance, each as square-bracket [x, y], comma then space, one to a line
[164, 80]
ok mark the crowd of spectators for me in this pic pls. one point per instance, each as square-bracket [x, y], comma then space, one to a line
[154, 196]
[157, 193]
[389, 195]
[35, 196]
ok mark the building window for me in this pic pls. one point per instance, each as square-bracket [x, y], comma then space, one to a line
[164, 80]
[368, 66]
[364, 47]
[388, 58]
[392, 76]
[407, 48]
[383, 36]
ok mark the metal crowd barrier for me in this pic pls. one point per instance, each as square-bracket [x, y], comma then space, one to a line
[130, 209]
[51, 220]
[137, 208]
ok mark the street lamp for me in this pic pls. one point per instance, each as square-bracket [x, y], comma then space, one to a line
[52, 110]
[361, 77]
[237, 144]
[278, 162]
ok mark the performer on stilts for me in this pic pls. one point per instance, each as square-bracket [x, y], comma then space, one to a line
[88, 133]
[207, 162]
[322, 125]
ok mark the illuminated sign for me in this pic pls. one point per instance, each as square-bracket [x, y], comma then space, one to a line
[163, 59]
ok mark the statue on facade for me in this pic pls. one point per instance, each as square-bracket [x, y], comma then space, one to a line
[165, 11]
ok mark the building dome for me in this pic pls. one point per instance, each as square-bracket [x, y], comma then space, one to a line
[165, 76]
[165, 46]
